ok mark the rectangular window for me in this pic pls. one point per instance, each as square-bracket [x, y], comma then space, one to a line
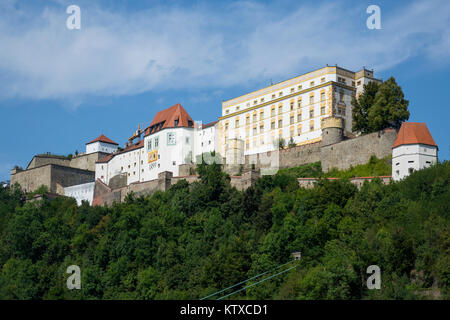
[322, 110]
[280, 109]
[300, 87]
[261, 128]
[273, 96]
[247, 120]
[299, 103]
[280, 94]
[292, 105]
[299, 131]
[311, 113]
[280, 123]
[311, 126]
[237, 123]
[291, 120]
[341, 96]
[261, 115]
[171, 138]
[292, 90]
[273, 111]
[322, 80]
[254, 117]
[322, 96]
[156, 142]
[299, 117]
[149, 144]
[311, 99]
[272, 125]
[311, 84]
[254, 131]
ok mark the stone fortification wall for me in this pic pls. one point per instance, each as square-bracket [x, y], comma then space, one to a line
[357, 151]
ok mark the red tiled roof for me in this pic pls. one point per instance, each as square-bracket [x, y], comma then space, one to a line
[413, 133]
[209, 125]
[166, 119]
[103, 138]
[134, 146]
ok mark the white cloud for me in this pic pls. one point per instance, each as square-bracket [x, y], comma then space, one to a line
[171, 48]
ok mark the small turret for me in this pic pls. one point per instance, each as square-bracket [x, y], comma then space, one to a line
[331, 130]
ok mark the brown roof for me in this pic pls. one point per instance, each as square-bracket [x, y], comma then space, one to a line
[414, 133]
[209, 125]
[167, 119]
[103, 138]
[134, 146]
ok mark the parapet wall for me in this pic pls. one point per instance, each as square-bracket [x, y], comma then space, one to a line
[104, 194]
[358, 181]
[84, 161]
[357, 151]
[53, 176]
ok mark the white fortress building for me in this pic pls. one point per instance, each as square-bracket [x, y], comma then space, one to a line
[101, 144]
[171, 140]
[292, 109]
[298, 111]
[414, 149]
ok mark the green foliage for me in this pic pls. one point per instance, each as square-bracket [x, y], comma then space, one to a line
[196, 239]
[375, 167]
[310, 170]
[379, 107]
[291, 143]
[361, 107]
[389, 108]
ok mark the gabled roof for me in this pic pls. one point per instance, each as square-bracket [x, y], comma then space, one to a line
[172, 117]
[209, 124]
[414, 133]
[103, 138]
[137, 145]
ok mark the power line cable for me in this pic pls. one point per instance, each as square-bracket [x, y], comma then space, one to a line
[254, 284]
[257, 276]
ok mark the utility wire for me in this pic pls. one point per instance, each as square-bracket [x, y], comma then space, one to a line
[257, 276]
[254, 284]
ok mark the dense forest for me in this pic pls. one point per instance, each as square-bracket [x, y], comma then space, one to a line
[199, 238]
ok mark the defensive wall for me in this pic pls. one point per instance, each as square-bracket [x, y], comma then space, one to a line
[56, 172]
[53, 176]
[341, 155]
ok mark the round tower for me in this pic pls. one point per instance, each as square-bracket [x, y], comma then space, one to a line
[332, 129]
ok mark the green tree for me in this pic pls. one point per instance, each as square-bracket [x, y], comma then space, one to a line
[362, 105]
[389, 108]
[291, 143]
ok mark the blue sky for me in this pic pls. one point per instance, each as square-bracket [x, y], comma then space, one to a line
[61, 88]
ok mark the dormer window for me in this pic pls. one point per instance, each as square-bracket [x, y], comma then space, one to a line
[176, 123]
[190, 124]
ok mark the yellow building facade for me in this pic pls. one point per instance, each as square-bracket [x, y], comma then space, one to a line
[291, 109]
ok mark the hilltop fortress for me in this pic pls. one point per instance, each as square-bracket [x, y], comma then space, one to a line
[312, 113]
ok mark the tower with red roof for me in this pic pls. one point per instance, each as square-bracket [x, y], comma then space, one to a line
[101, 144]
[413, 149]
